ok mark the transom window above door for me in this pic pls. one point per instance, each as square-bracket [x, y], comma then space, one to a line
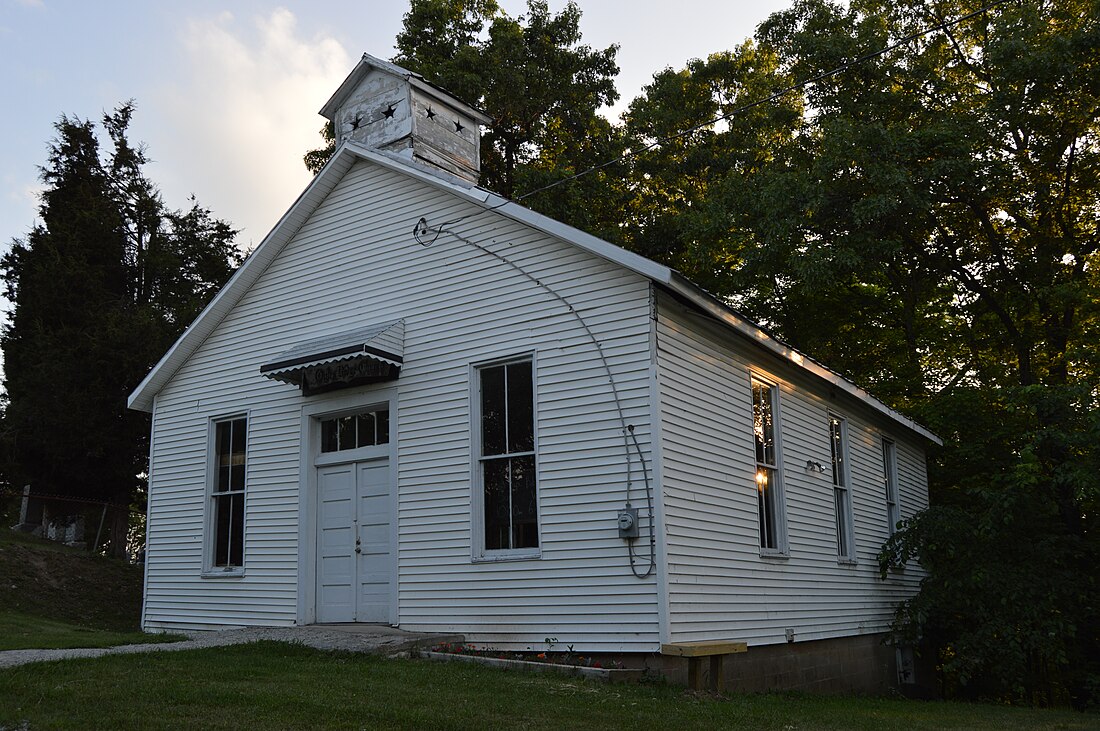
[365, 429]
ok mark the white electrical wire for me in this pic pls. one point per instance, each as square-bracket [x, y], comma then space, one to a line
[427, 236]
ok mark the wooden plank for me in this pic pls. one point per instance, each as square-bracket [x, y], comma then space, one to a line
[702, 649]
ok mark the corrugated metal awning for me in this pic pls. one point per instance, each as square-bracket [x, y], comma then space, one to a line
[365, 355]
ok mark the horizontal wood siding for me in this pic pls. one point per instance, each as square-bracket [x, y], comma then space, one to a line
[354, 263]
[720, 588]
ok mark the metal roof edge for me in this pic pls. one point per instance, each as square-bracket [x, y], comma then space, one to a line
[593, 244]
[141, 398]
[650, 269]
[726, 314]
[447, 97]
[492, 202]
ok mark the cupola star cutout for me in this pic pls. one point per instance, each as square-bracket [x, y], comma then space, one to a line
[388, 114]
[430, 114]
[458, 126]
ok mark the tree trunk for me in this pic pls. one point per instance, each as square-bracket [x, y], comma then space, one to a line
[119, 517]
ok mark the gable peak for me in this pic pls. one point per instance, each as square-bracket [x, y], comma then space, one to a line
[383, 106]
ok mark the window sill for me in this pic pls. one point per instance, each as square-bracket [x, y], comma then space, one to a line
[223, 574]
[843, 561]
[773, 553]
[509, 556]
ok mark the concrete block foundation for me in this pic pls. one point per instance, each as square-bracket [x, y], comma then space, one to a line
[848, 665]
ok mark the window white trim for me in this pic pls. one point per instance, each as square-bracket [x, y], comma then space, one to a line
[842, 481]
[478, 552]
[781, 549]
[209, 570]
[890, 485]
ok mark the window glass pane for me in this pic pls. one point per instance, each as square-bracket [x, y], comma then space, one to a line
[328, 435]
[889, 457]
[222, 522]
[840, 497]
[240, 432]
[366, 430]
[525, 527]
[836, 434]
[762, 423]
[230, 449]
[493, 436]
[765, 491]
[521, 412]
[236, 459]
[345, 433]
[222, 433]
[236, 529]
[497, 508]
[382, 425]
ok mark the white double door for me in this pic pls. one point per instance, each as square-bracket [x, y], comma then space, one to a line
[355, 552]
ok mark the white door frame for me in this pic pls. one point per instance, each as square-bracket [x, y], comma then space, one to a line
[310, 447]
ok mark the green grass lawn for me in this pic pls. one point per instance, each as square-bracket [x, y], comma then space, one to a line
[278, 686]
[24, 631]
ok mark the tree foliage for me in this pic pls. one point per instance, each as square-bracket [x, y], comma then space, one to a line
[541, 86]
[100, 289]
[926, 220]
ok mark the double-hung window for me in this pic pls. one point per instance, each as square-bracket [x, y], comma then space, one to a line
[890, 481]
[842, 496]
[765, 427]
[227, 494]
[506, 463]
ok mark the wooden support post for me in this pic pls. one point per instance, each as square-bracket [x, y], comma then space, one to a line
[695, 674]
[717, 673]
[696, 651]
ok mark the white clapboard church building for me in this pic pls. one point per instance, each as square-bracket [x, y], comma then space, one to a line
[419, 404]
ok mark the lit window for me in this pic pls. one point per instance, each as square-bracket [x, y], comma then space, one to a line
[890, 480]
[507, 459]
[842, 498]
[227, 493]
[768, 492]
[366, 429]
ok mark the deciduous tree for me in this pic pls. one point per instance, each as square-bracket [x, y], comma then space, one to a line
[927, 222]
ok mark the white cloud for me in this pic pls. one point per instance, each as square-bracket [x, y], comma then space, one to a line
[234, 130]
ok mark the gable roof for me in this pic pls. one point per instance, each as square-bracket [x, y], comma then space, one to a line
[370, 63]
[350, 152]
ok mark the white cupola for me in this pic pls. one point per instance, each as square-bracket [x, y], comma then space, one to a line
[385, 107]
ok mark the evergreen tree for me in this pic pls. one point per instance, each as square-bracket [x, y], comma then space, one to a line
[100, 288]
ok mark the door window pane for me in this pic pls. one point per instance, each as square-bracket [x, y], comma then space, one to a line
[365, 429]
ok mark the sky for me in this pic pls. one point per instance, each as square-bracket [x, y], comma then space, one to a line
[227, 94]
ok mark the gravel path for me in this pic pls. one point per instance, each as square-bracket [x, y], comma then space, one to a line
[348, 638]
